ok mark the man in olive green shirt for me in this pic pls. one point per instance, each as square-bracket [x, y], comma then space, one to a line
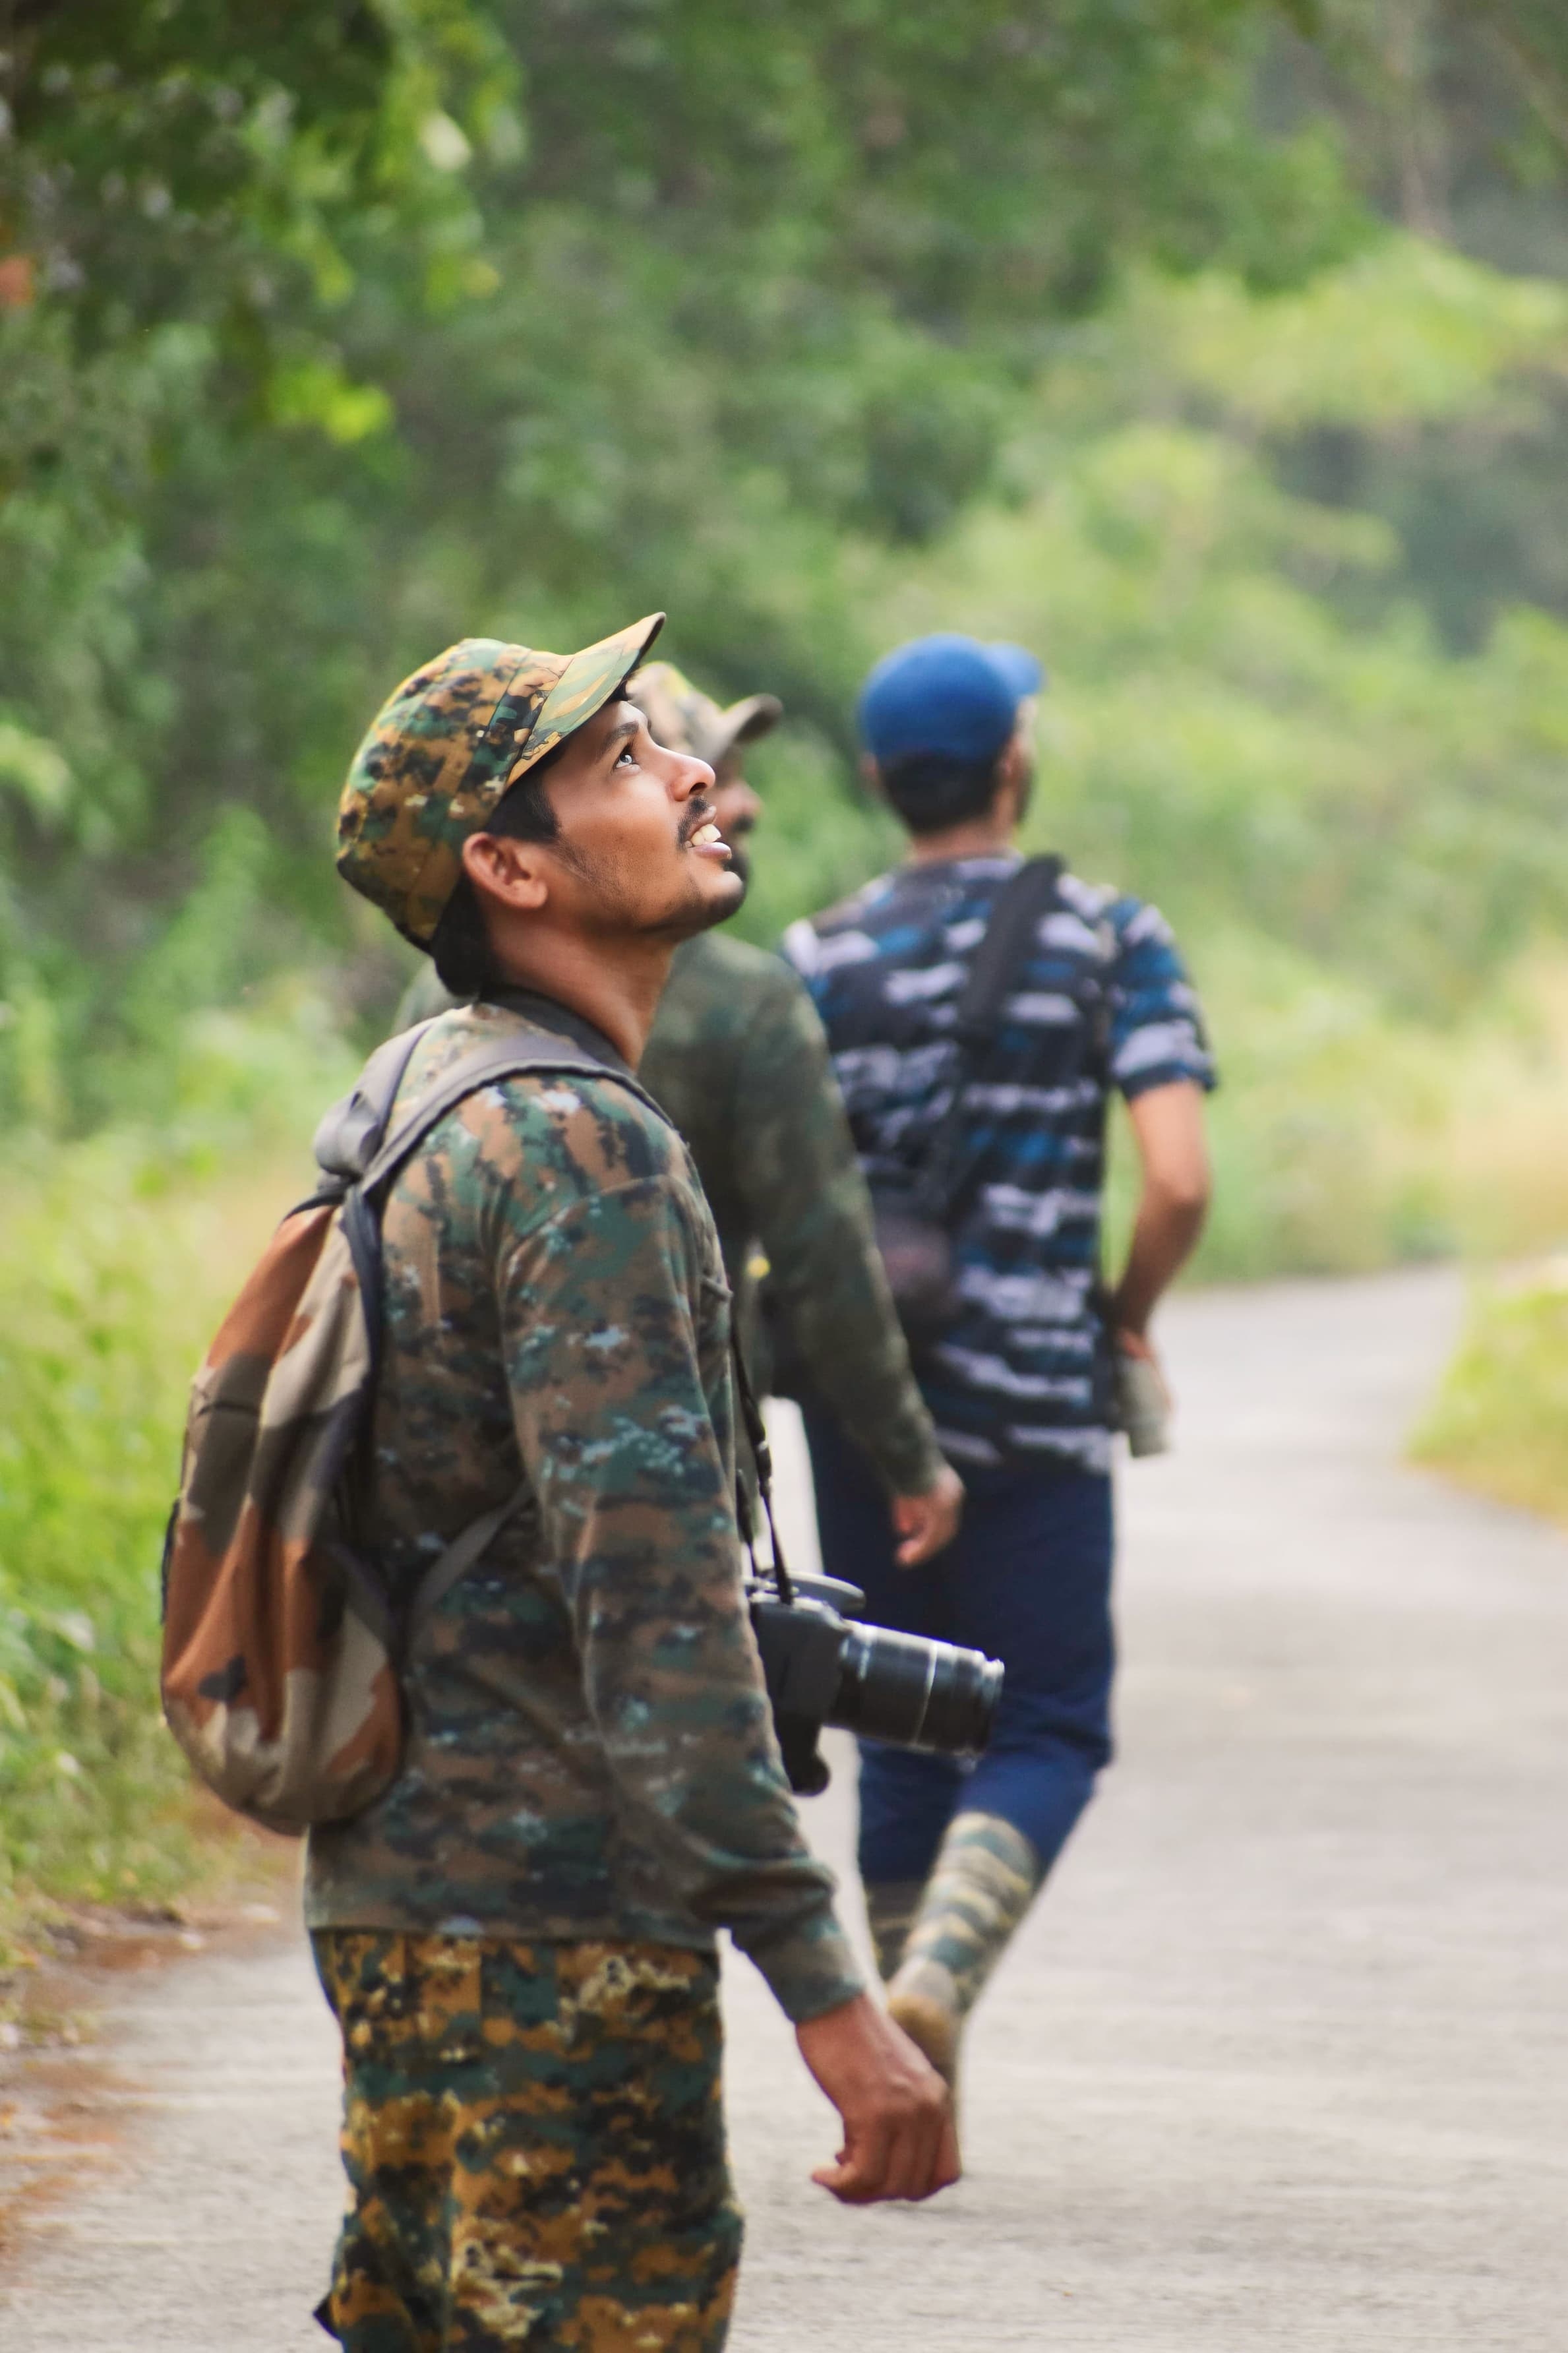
[738, 1059]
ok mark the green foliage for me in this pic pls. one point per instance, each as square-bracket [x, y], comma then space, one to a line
[117, 1258]
[1347, 1136]
[1499, 1422]
[329, 332]
[90, 1364]
[1356, 832]
[1234, 727]
[103, 1300]
[181, 161]
[326, 338]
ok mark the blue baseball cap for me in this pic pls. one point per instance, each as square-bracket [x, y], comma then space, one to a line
[946, 693]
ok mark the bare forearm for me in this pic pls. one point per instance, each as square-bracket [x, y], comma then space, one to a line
[1164, 1237]
[1168, 1129]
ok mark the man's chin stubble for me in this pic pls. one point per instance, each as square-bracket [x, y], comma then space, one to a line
[700, 910]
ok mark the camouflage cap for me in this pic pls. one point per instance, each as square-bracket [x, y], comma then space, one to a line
[441, 752]
[684, 719]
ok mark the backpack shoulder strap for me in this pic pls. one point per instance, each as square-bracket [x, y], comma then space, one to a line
[351, 1131]
[501, 1058]
[520, 1056]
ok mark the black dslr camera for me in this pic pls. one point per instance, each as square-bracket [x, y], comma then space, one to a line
[822, 1667]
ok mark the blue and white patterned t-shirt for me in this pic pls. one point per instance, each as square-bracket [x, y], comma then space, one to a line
[1103, 1001]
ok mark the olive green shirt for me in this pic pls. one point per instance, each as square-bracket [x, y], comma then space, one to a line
[739, 1060]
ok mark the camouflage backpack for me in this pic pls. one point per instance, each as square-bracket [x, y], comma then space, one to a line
[282, 1640]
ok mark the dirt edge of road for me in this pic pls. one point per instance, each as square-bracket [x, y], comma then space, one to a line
[78, 1961]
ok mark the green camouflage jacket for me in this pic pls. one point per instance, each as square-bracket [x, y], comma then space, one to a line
[590, 1750]
[739, 1060]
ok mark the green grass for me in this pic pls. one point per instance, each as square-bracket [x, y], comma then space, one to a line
[1346, 1138]
[118, 1255]
[1499, 1421]
[112, 1272]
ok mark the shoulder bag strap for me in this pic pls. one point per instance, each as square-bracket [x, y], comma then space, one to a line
[998, 960]
[1005, 949]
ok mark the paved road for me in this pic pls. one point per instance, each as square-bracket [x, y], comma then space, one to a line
[1278, 2062]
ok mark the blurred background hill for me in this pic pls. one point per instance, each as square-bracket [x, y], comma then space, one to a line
[1218, 350]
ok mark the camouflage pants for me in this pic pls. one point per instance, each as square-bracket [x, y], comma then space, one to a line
[534, 2143]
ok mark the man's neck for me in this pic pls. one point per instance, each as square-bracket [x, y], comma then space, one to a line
[977, 836]
[618, 995]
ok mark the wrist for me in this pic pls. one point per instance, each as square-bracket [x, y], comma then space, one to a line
[1124, 1313]
[913, 1469]
[810, 1968]
[840, 2044]
[941, 1481]
[828, 2022]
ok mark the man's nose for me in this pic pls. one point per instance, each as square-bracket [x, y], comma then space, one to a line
[691, 777]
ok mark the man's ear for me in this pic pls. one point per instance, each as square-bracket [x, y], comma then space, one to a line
[504, 868]
[1012, 780]
[871, 777]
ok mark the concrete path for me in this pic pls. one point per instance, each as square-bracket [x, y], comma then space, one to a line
[1279, 2061]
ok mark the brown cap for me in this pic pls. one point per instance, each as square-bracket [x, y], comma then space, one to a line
[684, 719]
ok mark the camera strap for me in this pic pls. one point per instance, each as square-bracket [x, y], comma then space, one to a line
[757, 1437]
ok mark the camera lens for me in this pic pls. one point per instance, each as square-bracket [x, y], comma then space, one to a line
[914, 1693]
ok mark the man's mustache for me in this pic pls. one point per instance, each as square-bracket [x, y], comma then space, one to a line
[698, 812]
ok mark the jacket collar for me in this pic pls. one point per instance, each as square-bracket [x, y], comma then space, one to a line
[545, 1013]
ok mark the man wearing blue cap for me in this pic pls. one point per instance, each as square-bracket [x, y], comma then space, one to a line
[1020, 1349]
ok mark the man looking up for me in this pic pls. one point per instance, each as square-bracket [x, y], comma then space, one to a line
[736, 1056]
[1020, 1384]
[517, 1939]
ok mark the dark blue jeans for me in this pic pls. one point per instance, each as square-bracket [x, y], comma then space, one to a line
[1029, 1580]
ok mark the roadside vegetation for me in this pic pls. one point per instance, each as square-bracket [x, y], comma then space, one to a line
[119, 1253]
[1499, 1421]
[1218, 350]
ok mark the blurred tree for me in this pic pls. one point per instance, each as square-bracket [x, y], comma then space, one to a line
[335, 332]
[183, 160]
[1454, 115]
[177, 184]
[1252, 718]
[328, 334]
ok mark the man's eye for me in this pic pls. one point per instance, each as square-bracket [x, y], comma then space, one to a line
[628, 755]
